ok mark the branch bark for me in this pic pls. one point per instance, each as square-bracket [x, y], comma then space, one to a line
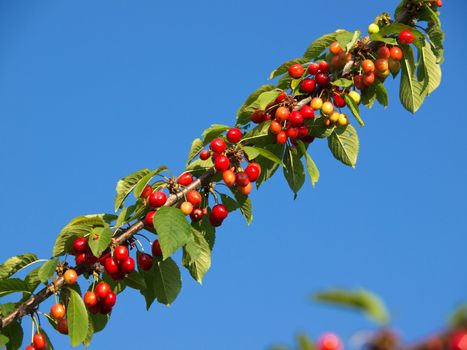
[35, 300]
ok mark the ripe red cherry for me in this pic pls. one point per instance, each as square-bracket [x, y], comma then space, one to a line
[111, 266]
[358, 82]
[121, 253]
[322, 79]
[258, 116]
[368, 66]
[296, 118]
[338, 101]
[329, 341]
[369, 79]
[90, 259]
[253, 171]
[313, 68]
[90, 299]
[307, 112]
[185, 179]
[104, 310]
[406, 37]
[302, 131]
[219, 211]
[146, 192]
[149, 219]
[197, 214]
[157, 199]
[396, 53]
[222, 163]
[242, 179]
[281, 138]
[127, 265]
[194, 197]
[308, 85]
[110, 300]
[144, 261]
[102, 290]
[323, 66]
[309, 138]
[80, 258]
[58, 311]
[215, 221]
[458, 340]
[234, 135]
[62, 326]
[30, 347]
[384, 52]
[118, 276]
[218, 145]
[281, 97]
[296, 71]
[39, 341]
[80, 245]
[205, 154]
[229, 177]
[156, 248]
[292, 133]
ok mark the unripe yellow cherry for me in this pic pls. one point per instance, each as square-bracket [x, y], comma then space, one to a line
[373, 28]
[343, 120]
[334, 117]
[354, 95]
[327, 108]
[316, 103]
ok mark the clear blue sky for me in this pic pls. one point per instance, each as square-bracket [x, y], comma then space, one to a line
[91, 91]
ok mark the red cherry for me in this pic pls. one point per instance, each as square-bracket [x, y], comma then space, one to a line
[146, 192]
[104, 309]
[358, 82]
[197, 214]
[205, 154]
[90, 259]
[215, 221]
[338, 101]
[118, 276]
[258, 116]
[219, 211]
[58, 311]
[127, 265]
[242, 179]
[322, 79]
[458, 340]
[149, 219]
[110, 300]
[406, 37]
[222, 163]
[80, 258]
[218, 145]
[307, 112]
[157, 199]
[39, 341]
[396, 53]
[144, 261]
[281, 138]
[292, 133]
[281, 97]
[111, 266]
[185, 179]
[323, 66]
[156, 248]
[253, 171]
[296, 118]
[106, 254]
[384, 52]
[194, 197]
[308, 85]
[296, 71]
[62, 326]
[102, 290]
[80, 245]
[329, 341]
[90, 299]
[302, 131]
[234, 135]
[121, 253]
[313, 68]
[30, 347]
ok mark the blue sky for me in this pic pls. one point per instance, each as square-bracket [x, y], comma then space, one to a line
[92, 91]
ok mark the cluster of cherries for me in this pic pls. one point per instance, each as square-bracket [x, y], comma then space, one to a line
[101, 300]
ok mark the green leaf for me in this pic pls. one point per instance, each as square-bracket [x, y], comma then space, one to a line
[199, 166]
[293, 171]
[172, 228]
[207, 230]
[47, 270]
[319, 45]
[284, 82]
[253, 152]
[361, 300]
[311, 167]
[259, 135]
[369, 96]
[353, 41]
[77, 318]
[344, 38]
[197, 256]
[411, 91]
[135, 280]
[149, 291]
[344, 145]
[196, 147]
[254, 96]
[342, 82]
[268, 167]
[4, 339]
[353, 108]
[230, 203]
[7, 308]
[317, 128]
[431, 70]
[213, 131]
[16, 263]
[14, 332]
[139, 188]
[379, 37]
[244, 202]
[459, 317]
[126, 185]
[168, 281]
[98, 321]
[381, 93]
[396, 28]
[305, 343]
[436, 36]
[285, 67]
[12, 285]
[99, 240]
